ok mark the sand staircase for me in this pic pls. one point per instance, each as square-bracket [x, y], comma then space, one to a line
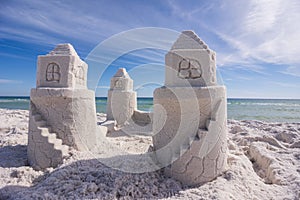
[183, 143]
[176, 148]
[49, 150]
[185, 146]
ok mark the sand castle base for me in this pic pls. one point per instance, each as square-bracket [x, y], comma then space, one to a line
[58, 117]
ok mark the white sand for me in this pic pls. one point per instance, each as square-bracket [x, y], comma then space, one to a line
[264, 163]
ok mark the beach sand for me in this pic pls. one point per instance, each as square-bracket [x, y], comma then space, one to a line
[263, 163]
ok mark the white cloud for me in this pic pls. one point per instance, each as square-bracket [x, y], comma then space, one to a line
[247, 35]
[51, 22]
[255, 32]
[292, 70]
[288, 85]
[260, 32]
[263, 15]
[89, 22]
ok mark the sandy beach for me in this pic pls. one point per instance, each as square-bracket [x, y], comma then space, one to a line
[150, 100]
[263, 163]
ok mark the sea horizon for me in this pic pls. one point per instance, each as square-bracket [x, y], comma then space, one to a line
[269, 110]
[141, 97]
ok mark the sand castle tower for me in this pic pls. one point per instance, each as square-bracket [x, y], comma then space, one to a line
[62, 110]
[121, 100]
[189, 120]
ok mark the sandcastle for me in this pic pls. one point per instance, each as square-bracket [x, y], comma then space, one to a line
[121, 99]
[62, 109]
[188, 122]
[122, 112]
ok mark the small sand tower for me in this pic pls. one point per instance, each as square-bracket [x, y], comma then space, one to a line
[62, 110]
[121, 101]
[189, 121]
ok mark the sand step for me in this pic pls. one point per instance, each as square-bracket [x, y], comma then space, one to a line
[57, 145]
[53, 144]
[45, 132]
[180, 150]
[56, 141]
[183, 148]
[65, 150]
[49, 129]
[52, 136]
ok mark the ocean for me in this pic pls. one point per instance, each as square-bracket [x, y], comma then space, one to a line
[270, 110]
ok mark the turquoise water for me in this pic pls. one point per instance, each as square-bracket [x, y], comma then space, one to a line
[14, 103]
[272, 110]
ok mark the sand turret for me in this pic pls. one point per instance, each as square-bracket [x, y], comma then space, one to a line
[121, 101]
[189, 121]
[62, 109]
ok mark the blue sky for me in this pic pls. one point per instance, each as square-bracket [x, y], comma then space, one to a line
[257, 42]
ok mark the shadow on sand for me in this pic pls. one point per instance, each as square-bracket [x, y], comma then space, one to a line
[90, 179]
[13, 156]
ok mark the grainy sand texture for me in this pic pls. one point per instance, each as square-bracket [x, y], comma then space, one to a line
[263, 163]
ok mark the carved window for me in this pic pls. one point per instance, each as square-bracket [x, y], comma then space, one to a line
[189, 69]
[53, 73]
[119, 84]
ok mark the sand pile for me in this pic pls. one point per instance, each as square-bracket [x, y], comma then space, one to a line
[263, 163]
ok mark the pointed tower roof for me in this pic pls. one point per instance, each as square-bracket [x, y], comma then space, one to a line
[63, 50]
[189, 40]
[121, 73]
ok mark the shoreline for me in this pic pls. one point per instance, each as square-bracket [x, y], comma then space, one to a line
[228, 119]
[237, 109]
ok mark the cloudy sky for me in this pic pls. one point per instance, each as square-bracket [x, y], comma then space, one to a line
[257, 41]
